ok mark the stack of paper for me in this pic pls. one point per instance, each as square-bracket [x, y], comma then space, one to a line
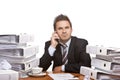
[9, 75]
[106, 64]
[110, 58]
[15, 49]
[102, 50]
[21, 51]
[62, 76]
[26, 65]
[97, 74]
[16, 38]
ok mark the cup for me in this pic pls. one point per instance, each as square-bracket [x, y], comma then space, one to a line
[37, 70]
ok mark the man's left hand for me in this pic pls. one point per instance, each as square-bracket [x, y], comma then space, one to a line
[57, 69]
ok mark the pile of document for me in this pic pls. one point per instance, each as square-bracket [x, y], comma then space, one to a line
[15, 49]
[105, 65]
[9, 75]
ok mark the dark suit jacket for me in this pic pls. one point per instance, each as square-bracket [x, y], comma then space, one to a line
[77, 56]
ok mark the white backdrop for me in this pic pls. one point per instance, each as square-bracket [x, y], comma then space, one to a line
[98, 21]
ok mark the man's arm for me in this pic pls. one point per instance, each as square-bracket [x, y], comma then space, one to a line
[45, 60]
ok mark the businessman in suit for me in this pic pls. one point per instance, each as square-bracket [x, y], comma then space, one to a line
[75, 50]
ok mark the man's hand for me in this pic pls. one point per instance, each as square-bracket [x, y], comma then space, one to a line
[57, 69]
[54, 42]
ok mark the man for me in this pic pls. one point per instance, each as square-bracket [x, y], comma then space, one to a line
[75, 50]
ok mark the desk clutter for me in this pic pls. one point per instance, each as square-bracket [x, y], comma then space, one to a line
[105, 65]
[15, 50]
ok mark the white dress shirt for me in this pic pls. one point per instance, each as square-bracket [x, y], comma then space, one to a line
[52, 50]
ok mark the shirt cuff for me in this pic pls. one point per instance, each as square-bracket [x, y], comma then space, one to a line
[51, 50]
[63, 67]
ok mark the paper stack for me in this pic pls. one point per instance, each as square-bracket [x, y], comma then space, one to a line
[15, 49]
[9, 75]
[106, 64]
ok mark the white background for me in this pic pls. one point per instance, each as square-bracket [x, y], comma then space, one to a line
[98, 21]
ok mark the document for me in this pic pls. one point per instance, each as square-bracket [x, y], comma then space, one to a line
[4, 65]
[102, 50]
[17, 59]
[16, 38]
[11, 45]
[27, 65]
[97, 74]
[111, 58]
[62, 76]
[9, 75]
[23, 51]
[105, 65]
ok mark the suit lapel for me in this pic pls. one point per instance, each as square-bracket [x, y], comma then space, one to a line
[58, 56]
[71, 51]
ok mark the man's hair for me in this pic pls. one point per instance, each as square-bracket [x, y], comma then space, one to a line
[61, 17]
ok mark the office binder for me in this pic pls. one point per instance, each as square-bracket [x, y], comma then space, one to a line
[111, 58]
[102, 50]
[25, 66]
[16, 38]
[23, 51]
[17, 59]
[97, 74]
[105, 65]
[9, 75]
[12, 45]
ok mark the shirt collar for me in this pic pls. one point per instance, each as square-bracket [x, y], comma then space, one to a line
[68, 42]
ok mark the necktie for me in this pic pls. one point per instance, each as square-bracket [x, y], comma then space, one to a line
[64, 54]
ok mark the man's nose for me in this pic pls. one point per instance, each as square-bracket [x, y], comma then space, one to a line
[64, 30]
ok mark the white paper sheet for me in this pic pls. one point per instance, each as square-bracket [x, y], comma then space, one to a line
[4, 65]
[62, 76]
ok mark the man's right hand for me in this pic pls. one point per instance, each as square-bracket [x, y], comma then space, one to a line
[54, 39]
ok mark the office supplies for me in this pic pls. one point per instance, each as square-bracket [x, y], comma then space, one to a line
[16, 38]
[9, 75]
[111, 58]
[102, 50]
[97, 74]
[22, 51]
[17, 59]
[105, 65]
[27, 65]
[4, 64]
[62, 76]
[12, 45]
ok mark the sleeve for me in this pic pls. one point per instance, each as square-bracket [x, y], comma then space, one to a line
[45, 60]
[51, 50]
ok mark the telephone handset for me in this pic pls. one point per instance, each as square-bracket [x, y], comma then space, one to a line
[57, 39]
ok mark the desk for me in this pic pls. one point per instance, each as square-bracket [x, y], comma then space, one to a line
[49, 78]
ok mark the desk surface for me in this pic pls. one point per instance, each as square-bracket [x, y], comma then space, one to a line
[49, 78]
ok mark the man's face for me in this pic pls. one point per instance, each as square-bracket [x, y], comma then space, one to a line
[63, 30]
